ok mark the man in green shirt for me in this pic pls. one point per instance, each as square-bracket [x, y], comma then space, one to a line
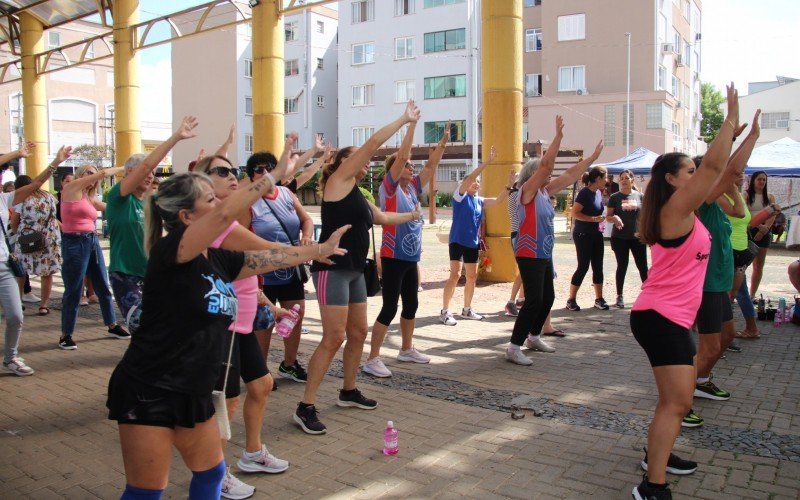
[125, 214]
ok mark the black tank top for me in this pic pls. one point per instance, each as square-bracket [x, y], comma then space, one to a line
[352, 209]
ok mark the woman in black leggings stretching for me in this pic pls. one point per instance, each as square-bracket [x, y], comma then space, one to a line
[623, 211]
[587, 212]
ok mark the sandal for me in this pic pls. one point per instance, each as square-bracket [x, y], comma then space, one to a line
[83, 302]
[555, 333]
[747, 335]
[93, 299]
[43, 311]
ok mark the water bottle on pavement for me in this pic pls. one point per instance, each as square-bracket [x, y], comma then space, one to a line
[286, 324]
[390, 446]
[782, 309]
[778, 321]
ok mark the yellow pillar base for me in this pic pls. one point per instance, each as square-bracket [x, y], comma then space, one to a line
[501, 256]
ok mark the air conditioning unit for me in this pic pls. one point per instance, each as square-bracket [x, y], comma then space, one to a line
[781, 123]
[667, 48]
[582, 92]
[679, 60]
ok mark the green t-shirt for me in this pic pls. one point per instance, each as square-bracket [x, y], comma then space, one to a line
[739, 226]
[125, 216]
[719, 274]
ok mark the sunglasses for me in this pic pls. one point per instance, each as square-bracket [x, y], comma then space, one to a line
[260, 169]
[225, 171]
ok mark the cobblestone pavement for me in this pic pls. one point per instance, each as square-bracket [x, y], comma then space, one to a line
[586, 409]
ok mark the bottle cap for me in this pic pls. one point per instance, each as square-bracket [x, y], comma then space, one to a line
[389, 424]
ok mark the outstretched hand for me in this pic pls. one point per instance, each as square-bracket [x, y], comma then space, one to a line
[755, 131]
[186, 128]
[318, 142]
[559, 125]
[598, 149]
[492, 155]
[26, 149]
[412, 113]
[733, 106]
[331, 246]
[64, 152]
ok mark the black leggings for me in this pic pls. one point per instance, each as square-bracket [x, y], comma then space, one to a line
[589, 247]
[537, 281]
[621, 246]
[400, 279]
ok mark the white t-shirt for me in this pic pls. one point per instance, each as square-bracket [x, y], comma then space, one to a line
[5, 202]
[8, 176]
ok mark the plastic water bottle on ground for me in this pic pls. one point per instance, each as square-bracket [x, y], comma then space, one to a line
[390, 446]
[286, 324]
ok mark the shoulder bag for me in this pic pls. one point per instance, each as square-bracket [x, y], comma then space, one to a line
[32, 241]
[15, 265]
[302, 269]
[371, 276]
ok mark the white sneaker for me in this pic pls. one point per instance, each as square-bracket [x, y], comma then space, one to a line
[17, 366]
[261, 461]
[516, 357]
[233, 488]
[30, 298]
[468, 313]
[413, 356]
[447, 318]
[537, 344]
[376, 367]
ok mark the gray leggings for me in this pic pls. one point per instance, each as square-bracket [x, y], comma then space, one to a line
[340, 287]
[12, 307]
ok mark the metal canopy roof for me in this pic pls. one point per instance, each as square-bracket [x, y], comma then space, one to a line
[53, 12]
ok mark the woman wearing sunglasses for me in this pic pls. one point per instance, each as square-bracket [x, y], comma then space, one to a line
[279, 217]
[341, 288]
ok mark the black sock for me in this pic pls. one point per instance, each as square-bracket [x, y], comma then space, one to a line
[303, 406]
[348, 391]
[656, 486]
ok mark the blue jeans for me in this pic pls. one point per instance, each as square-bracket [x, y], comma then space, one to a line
[11, 303]
[128, 292]
[83, 257]
[744, 300]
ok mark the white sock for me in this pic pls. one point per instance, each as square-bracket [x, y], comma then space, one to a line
[252, 454]
[512, 347]
[702, 380]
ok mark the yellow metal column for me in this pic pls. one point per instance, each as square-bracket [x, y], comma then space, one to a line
[128, 134]
[268, 68]
[34, 98]
[501, 73]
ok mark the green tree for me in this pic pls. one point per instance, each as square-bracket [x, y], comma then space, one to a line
[94, 154]
[711, 101]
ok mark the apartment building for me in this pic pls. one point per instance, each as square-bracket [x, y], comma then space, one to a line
[779, 102]
[80, 100]
[218, 68]
[576, 65]
[396, 50]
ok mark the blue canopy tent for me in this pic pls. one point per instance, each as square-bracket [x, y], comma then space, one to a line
[639, 161]
[778, 159]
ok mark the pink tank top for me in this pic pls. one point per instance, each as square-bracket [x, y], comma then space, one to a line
[246, 291]
[674, 285]
[78, 216]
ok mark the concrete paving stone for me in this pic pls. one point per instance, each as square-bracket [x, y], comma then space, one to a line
[774, 489]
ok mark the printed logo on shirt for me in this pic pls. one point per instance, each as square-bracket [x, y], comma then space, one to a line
[221, 298]
[701, 256]
[629, 204]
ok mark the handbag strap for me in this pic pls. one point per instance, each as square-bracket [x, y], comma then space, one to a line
[230, 350]
[374, 253]
[5, 235]
[269, 205]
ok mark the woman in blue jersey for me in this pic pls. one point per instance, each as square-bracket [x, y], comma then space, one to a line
[468, 212]
[278, 216]
[401, 248]
[535, 240]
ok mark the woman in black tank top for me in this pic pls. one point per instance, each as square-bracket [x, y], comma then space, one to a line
[341, 290]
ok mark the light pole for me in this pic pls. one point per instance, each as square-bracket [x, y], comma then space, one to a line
[628, 101]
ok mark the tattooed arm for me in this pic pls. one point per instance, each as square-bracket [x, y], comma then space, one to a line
[265, 261]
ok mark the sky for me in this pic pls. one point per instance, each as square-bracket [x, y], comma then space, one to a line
[743, 41]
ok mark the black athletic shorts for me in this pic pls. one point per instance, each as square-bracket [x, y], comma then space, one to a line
[715, 309]
[133, 402]
[293, 291]
[460, 252]
[247, 362]
[764, 241]
[664, 342]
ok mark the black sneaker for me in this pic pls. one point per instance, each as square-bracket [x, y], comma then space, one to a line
[734, 347]
[119, 332]
[572, 305]
[294, 372]
[675, 464]
[306, 418]
[67, 344]
[355, 398]
[645, 492]
[601, 304]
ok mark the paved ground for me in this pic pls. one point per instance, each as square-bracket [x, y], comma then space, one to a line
[594, 398]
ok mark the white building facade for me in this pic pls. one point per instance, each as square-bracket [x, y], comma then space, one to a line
[780, 109]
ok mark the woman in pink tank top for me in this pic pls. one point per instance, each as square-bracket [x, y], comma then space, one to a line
[83, 256]
[665, 309]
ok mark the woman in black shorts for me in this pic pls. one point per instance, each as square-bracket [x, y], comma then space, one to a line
[667, 306]
[341, 289]
[758, 198]
[160, 392]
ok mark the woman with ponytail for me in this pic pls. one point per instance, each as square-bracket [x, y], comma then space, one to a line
[160, 392]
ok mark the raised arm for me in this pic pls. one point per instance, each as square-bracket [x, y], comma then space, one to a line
[73, 190]
[22, 193]
[393, 218]
[473, 176]
[574, 173]
[434, 157]
[312, 169]
[736, 163]
[223, 149]
[140, 173]
[301, 160]
[284, 161]
[351, 166]
[539, 178]
[265, 261]
[24, 151]
[490, 202]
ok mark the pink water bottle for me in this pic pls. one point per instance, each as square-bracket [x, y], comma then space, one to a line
[286, 324]
[390, 446]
